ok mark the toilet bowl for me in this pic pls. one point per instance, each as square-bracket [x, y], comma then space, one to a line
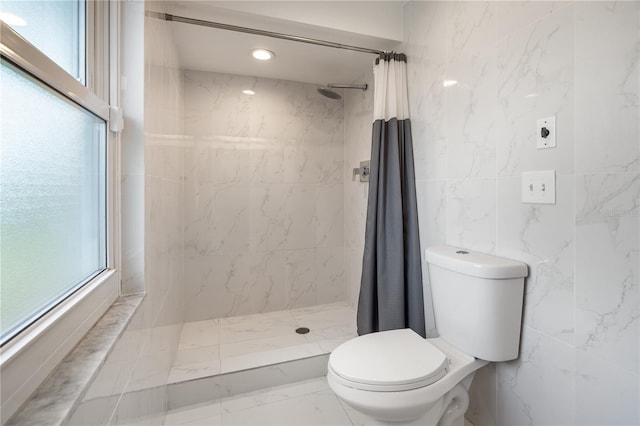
[421, 381]
[399, 377]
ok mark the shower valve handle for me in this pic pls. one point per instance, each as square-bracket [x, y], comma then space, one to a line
[363, 171]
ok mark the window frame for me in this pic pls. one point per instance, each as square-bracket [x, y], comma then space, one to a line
[25, 56]
[65, 324]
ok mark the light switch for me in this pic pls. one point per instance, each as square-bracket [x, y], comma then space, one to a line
[546, 133]
[539, 187]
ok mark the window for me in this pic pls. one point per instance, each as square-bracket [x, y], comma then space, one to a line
[53, 165]
[56, 28]
[52, 199]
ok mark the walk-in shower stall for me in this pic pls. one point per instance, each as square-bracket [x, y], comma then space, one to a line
[253, 219]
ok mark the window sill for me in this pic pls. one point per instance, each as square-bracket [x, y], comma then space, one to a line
[22, 342]
[54, 401]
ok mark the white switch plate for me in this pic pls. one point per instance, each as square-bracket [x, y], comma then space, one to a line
[539, 187]
[548, 123]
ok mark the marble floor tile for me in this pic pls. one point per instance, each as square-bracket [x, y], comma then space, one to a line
[333, 316]
[202, 414]
[150, 420]
[231, 350]
[193, 371]
[286, 405]
[309, 402]
[331, 337]
[314, 409]
[150, 371]
[199, 333]
[269, 357]
[196, 355]
[195, 363]
[238, 329]
[213, 347]
[275, 394]
[111, 379]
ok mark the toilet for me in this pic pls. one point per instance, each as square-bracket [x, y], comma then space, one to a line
[397, 376]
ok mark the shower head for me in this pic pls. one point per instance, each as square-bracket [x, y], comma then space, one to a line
[326, 91]
[329, 93]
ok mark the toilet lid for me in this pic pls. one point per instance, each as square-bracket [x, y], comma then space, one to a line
[388, 360]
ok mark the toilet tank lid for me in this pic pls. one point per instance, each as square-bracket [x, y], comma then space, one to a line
[474, 263]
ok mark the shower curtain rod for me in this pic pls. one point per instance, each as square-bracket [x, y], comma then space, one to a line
[219, 25]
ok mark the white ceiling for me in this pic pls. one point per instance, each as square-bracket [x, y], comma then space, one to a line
[210, 49]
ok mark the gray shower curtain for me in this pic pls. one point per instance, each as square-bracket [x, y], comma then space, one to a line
[391, 283]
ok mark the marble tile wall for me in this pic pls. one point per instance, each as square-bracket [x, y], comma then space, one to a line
[516, 62]
[358, 119]
[132, 149]
[164, 149]
[150, 343]
[263, 208]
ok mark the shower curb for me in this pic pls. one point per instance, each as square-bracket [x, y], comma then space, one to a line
[206, 389]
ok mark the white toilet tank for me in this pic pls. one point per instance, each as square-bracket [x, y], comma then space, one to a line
[477, 300]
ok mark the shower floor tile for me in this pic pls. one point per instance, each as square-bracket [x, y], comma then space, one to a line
[225, 345]
[198, 334]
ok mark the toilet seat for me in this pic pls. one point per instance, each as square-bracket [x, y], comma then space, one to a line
[388, 361]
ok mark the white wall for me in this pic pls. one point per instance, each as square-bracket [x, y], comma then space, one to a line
[516, 62]
[263, 204]
[375, 18]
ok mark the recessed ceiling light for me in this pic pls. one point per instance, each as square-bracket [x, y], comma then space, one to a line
[248, 92]
[13, 20]
[262, 54]
[448, 83]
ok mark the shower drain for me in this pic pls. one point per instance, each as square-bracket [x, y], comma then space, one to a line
[302, 330]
